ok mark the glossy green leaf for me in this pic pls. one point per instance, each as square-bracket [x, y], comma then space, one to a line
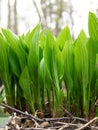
[93, 26]
[48, 53]
[63, 37]
[33, 65]
[5, 71]
[14, 62]
[53, 58]
[91, 57]
[4, 65]
[25, 84]
[33, 57]
[14, 42]
[68, 59]
[81, 69]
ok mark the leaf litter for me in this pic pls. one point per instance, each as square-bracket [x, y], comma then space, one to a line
[20, 120]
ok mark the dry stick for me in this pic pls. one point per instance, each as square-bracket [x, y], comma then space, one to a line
[91, 121]
[65, 118]
[74, 118]
[21, 112]
[68, 113]
[44, 119]
[66, 125]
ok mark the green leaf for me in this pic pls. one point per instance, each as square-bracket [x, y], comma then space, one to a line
[33, 65]
[30, 35]
[93, 26]
[48, 53]
[81, 52]
[42, 41]
[81, 69]
[14, 42]
[54, 67]
[24, 44]
[14, 62]
[1, 99]
[4, 65]
[63, 37]
[91, 47]
[33, 57]
[5, 71]
[25, 84]
[59, 62]
[68, 59]
[91, 57]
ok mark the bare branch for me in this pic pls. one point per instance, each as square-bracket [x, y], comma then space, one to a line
[37, 10]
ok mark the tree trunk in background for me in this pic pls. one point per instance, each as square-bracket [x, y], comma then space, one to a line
[15, 17]
[71, 17]
[9, 15]
[53, 14]
[40, 13]
[37, 10]
[12, 16]
[59, 16]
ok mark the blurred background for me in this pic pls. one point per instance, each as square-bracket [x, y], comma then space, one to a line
[22, 15]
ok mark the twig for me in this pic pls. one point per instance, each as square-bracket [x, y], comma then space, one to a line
[72, 117]
[91, 121]
[44, 119]
[65, 118]
[66, 125]
[21, 112]
[68, 113]
[37, 9]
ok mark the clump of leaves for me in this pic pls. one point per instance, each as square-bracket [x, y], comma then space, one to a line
[34, 65]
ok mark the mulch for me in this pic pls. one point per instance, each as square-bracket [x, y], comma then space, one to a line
[20, 120]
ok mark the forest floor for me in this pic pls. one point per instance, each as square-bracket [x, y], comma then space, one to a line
[20, 120]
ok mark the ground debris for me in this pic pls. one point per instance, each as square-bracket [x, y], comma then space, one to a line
[23, 121]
